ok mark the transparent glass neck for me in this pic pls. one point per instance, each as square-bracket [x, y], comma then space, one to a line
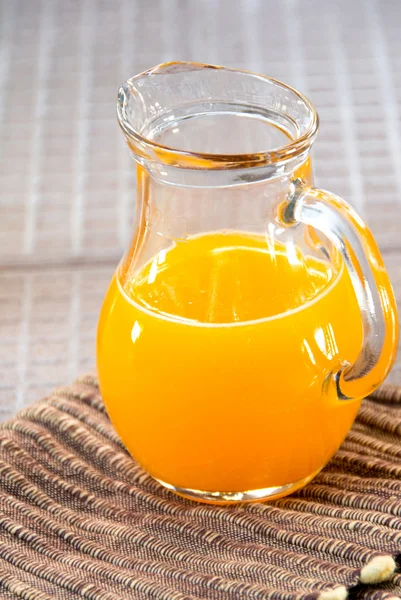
[200, 125]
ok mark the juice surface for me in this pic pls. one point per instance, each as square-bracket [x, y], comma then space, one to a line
[212, 362]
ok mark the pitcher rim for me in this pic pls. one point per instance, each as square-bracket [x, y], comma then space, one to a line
[146, 148]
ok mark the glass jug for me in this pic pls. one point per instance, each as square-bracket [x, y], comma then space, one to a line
[251, 312]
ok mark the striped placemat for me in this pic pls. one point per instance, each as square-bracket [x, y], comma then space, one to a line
[80, 519]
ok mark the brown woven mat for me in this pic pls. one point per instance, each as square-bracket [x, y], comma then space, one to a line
[78, 518]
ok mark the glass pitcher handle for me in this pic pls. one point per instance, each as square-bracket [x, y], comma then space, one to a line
[346, 230]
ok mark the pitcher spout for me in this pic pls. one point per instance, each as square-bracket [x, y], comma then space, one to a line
[204, 117]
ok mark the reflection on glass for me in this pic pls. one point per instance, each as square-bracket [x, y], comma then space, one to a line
[309, 351]
[136, 331]
[292, 255]
[326, 341]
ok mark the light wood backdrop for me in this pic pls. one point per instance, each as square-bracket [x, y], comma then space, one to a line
[67, 185]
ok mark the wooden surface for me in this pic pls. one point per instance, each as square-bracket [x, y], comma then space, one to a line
[67, 186]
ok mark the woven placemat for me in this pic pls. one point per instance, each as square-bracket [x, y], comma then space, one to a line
[80, 519]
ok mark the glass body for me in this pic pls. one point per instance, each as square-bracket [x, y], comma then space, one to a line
[251, 312]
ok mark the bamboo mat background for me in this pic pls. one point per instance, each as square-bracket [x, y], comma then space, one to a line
[67, 186]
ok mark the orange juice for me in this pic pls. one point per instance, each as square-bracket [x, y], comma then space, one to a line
[212, 362]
